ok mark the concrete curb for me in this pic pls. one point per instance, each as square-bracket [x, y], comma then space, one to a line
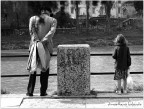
[99, 94]
[79, 97]
[21, 100]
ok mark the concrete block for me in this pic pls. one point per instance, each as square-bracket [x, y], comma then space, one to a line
[73, 69]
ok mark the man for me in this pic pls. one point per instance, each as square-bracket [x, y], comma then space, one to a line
[42, 28]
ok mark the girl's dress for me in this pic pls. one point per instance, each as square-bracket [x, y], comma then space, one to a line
[120, 74]
[122, 61]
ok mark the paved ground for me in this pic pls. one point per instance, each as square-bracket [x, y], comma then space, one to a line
[102, 100]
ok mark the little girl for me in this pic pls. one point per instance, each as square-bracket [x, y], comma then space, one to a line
[122, 62]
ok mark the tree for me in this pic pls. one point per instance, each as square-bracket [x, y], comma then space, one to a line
[75, 4]
[35, 5]
[63, 18]
[138, 6]
[87, 18]
[77, 16]
[6, 7]
[108, 5]
[94, 3]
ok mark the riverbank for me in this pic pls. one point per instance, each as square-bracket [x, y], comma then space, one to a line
[106, 49]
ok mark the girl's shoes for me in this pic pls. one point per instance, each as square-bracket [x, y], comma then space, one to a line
[125, 91]
[118, 92]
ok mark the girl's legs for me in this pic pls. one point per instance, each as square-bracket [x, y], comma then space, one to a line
[118, 91]
[125, 85]
[119, 84]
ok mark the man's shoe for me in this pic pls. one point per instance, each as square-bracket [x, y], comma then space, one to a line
[118, 92]
[44, 94]
[125, 92]
[29, 94]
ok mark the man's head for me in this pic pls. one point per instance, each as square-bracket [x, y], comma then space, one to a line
[46, 10]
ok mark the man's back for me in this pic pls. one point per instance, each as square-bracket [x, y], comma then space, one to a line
[44, 28]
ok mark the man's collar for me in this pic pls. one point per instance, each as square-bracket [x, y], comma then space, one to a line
[45, 14]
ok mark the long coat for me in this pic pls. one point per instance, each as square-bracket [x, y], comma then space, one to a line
[43, 32]
[122, 57]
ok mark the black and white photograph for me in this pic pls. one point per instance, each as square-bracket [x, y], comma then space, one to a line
[71, 54]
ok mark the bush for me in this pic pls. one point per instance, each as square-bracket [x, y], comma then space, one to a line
[100, 43]
[4, 91]
[93, 92]
[136, 87]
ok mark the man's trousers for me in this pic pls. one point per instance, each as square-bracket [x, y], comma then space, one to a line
[43, 82]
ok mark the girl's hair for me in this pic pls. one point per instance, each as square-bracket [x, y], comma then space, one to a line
[120, 39]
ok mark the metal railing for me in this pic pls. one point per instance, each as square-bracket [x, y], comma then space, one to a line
[92, 54]
[92, 73]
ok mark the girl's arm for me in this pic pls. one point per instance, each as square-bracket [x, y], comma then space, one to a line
[114, 55]
[129, 57]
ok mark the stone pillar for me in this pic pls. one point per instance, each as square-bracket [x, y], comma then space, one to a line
[73, 73]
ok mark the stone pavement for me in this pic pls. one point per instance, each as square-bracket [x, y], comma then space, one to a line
[101, 100]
